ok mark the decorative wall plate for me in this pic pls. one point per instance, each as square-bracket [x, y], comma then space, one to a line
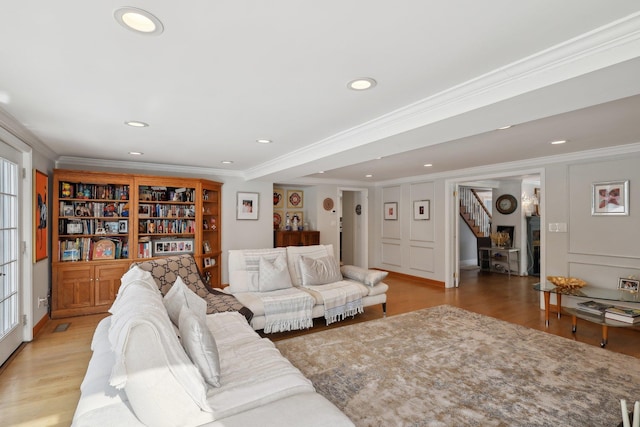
[506, 204]
[327, 204]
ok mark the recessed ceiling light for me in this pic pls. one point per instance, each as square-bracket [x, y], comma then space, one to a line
[379, 158]
[428, 165]
[505, 127]
[363, 83]
[320, 171]
[136, 153]
[226, 162]
[558, 142]
[264, 141]
[136, 124]
[368, 175]
[138, 20]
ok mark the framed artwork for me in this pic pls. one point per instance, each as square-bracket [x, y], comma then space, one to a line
[172, 247]
[391, 211]
[247, 207]
[278, 217]
[610, 198]
[41, 216]
[104, 249]
[207, 262]
[278, 198]
[123, 226]
[510, 230]
[628, 284]
[421, 210]
[295, 199]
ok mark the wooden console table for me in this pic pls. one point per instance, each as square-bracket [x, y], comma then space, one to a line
[587, 292]
[283, 238]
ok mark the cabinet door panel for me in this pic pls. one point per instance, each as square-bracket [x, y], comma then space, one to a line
[107, 282]
[74, 288]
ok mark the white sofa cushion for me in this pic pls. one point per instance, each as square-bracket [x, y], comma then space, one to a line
[135, 277]
[295, 252]
[363, 275]
[161, 384]
[244, 268]
[319, 271]
[200, 345]
[179, 296]
[273, 275]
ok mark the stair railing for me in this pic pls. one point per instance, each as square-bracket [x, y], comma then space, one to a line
[476, 209]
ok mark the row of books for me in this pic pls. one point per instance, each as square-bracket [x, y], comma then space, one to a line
[93, 209]
[608, 311]
[93, 191]
[83, 249]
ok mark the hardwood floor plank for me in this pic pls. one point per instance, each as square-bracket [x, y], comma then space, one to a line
[40, 386]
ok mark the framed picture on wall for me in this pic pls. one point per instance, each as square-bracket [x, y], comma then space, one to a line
[41, 217]
[295, 199]
[421, 210]
[391, 211]
[610, 198]
[278, 198]
[247, 206]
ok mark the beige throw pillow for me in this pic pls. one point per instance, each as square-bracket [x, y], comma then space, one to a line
[319, 271]
[363, 275]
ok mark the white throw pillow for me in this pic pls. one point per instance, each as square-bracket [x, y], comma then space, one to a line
[274, 275]
[363, 275]
[179, 296]
[319, 271]
[200, 346]
[132, 278]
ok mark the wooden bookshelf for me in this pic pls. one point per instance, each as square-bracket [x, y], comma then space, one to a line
[102, 222]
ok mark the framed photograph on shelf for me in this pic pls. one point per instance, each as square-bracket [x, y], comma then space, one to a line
[610, 198]
[206, 247]
[123, 226]
[41, 216]
[247, 207]
[391, 211]
[207, 262]
[631, 285]
[172, 246]
[295, 199]
[144, 211]
[421, 210]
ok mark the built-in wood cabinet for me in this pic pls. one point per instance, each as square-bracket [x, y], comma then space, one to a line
[102, 222]
[284, 238]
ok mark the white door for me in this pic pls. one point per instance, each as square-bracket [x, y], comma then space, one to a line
[10, 295]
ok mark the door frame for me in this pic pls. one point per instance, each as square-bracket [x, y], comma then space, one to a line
[25, 235]
[452, 212]
[363, 238]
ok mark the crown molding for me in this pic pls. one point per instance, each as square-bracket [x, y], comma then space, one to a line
[15, 128]
[143, 166]
[522, 165]
[605, 46]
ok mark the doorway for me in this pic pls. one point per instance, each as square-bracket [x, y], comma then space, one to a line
[353, 226]
[10, 289]
[518, 219]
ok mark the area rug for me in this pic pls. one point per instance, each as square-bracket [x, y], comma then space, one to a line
[444, 366]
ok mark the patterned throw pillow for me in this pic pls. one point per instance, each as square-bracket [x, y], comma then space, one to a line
[166, 270]
[273, 275]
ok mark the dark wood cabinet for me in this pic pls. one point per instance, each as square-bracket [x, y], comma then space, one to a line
[295, 238]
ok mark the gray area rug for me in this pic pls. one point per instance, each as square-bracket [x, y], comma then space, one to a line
[444, 366]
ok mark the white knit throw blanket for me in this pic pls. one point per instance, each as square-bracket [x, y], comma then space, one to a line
[341, 300]
[287, 310]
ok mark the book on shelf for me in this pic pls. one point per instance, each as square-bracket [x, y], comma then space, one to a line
[593, 307]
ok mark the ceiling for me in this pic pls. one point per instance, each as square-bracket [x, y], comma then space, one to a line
[224, 74]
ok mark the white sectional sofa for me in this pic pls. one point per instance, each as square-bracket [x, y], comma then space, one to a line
[286, 288]
[162, 361]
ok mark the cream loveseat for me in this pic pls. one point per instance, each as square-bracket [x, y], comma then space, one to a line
[286, 288]
[162, 361]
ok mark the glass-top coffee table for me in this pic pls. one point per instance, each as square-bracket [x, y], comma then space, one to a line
[590, 292]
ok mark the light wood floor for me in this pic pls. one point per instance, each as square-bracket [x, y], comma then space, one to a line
[40, 386]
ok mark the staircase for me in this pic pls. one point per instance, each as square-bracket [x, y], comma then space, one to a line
[474, 213]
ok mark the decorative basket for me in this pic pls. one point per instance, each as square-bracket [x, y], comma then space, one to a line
[500, 239]
[566, 282]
